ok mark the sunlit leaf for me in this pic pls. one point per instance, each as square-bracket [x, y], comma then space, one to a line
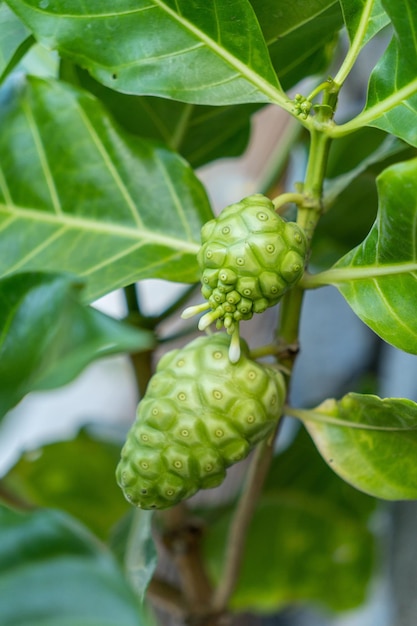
[379, 462]
[308, 540]
[47, 336]
[54, 573]
[77, 194]
[378, 278]
[161, 47]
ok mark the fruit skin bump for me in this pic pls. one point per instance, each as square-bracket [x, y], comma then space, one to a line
[249, 257]
[200, 414]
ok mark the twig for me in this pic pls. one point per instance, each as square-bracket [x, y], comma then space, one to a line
[183, 540]
[257, 473]
[167, 597]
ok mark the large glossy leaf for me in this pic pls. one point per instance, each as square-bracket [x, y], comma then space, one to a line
[377, 461]
[379, 277]
[75, 476]
[307, 49]
[366, 17]
[350, 194]
[15, 39]
[298, 35]
[200, 133]
[308, 540]
[392, 94]
[54, 573]
[394, 81]
[47, 336]
[78, 194]
[167, 48]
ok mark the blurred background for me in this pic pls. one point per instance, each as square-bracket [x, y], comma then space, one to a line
[338, 353]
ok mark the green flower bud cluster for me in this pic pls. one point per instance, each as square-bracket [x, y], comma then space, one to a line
[249, 257]
[200, 414]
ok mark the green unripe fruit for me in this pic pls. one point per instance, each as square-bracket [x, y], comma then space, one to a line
[251, 254]
[200, 414]
[249, 240]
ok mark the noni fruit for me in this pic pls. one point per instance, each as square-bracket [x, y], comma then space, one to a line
[200, 414]
[248, 258]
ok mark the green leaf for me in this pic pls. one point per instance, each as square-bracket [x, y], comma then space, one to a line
[165, 48]
[350, 194]
[355, 154]
[308, 541]
[302, 37]
[78, 194]
[54, 573]
[378, 277]
[15, 40]
[378, 462]
[47, 336]
[353, 12]
[199, 133]
[75, 476]
[392, 95]
[140, 552]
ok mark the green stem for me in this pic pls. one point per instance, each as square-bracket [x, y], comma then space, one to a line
[356, 44]
[312, 207]
[132, 300]
[341, 275]
[286, 198]
[374, 112]
[314, 415]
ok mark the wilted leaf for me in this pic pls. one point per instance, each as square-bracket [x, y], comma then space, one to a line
[377, 461]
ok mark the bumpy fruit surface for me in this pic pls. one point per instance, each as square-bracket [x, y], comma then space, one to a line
[200, 414]
[249, 257]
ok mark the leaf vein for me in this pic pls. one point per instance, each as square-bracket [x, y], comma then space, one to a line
[56, 204]
[35, 251]
[124, 192]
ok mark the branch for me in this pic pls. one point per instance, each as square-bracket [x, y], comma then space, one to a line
[239, 527]
[183, 540]
[167, 597]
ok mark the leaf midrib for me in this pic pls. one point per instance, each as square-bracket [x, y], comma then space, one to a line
[275, 94]
[108, 228]
[338, 275]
